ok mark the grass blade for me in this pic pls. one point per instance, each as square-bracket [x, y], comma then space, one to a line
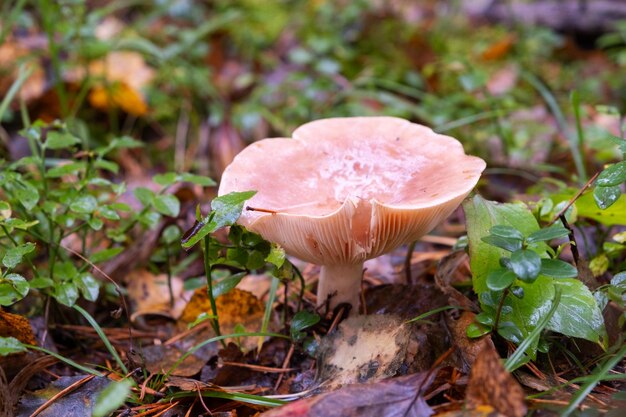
[103, 337]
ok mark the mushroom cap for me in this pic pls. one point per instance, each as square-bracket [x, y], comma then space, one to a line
[349, 189]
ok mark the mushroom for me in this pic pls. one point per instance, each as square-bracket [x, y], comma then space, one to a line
[345, 190]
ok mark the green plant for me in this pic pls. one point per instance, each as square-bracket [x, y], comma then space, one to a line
[516, 276]
[66, 192]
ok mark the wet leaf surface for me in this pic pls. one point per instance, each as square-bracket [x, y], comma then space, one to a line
[397, 397]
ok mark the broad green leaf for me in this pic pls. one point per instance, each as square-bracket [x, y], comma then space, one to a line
[475, 330]
[502, 242]
[9, 345]
[613, 175]
[578, 314]
[556, 268]
[27, 194]
[107, 165]
[606, 196]
[481, 216]
[302, 320]
[65, 169]
[276, 256]
[20, 224]
[95, 223]
[88, 286]
[60, 140]
[256, 260]
[553, 232]
[225, 285]
[14, 256]
[108, 213]
[506, 232]
[150, 219]
[66, 293]
[526, 264]
[227, 208]
[586, 207]
[144, 195]
[112, 397]
[197, 179]
[167, 204]
[84, 204]
[500, 279]
[13, 288]
[166, 179]
[170, 234]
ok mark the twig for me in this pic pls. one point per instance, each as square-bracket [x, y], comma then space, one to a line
[61, 394]
[573, 200]
[259, 368]
[285, 364]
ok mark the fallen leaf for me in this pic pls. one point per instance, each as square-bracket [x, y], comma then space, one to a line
[235, 308]
[150, 295]
[499, 48]
[397, 397]
[14, 325]
[77, 403]
[364, 348]
[491, 385]
[119, 94]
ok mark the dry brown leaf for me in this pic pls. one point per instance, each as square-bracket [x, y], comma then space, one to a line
[236, 307]
[500, 48]
[14, 325]
[150, 295]
[491, 385]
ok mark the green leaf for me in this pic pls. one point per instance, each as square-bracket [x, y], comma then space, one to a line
[526, 264]
[21, 224]
[89, 287]
[9, 345]
[108, 213]
[276, 256]
[605, 197]
[587, 207]
[227, 208]
[505, 243]
[578, 314]
[302, 320]
[225, 285]
[167, 204]
[556, 268]
[14, 256]
[27, 194]
[500, 279]
[505, 231]
[170, 234]
[166, 179]
[481, 216]
[66, 293]
[197, 179]
[60, 140]
[84, 204]
[144, 195]
[613, 175]
[553, 232]
[13, 288]
[112, 397]
[95, 223]
[107, 165]
[5, 210]
[476, 330]
[65, 169]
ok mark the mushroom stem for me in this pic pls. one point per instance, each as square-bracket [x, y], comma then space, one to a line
[340, 284]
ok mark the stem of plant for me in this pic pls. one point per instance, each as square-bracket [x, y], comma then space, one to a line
[496, 322]
[208, 266]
